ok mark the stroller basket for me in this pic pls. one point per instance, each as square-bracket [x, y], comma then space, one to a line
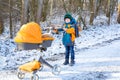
[30, 46]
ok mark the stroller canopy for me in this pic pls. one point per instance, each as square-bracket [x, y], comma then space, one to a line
[29, 33]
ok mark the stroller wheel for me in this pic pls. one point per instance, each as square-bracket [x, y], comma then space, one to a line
[21, 75]
[41, 68]
[56, 70]
[35, 77]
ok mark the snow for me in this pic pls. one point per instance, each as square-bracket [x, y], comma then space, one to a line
[97, 56]
[91, 64]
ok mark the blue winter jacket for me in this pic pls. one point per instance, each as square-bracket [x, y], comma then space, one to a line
[66, 40]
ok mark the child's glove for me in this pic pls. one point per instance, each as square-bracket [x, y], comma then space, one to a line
[55, 30]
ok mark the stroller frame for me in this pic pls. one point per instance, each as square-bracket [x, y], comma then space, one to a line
[42, 47]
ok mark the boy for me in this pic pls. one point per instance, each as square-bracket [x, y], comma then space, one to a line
[68, 38]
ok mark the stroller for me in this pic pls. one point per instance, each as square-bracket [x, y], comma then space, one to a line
[25, 42]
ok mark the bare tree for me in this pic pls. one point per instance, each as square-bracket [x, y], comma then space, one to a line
[91, 12]
[118, 13]
[10, 18]
[108, 14]
[98, 4]
[24, 15]
[64, 6]
[39, 11]
[113, 5]
[80, 11]
[44, 10]
[51, 7]
[1, 25]
[32, 10]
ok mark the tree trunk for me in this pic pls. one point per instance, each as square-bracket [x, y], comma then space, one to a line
[109, 11]
[35, 10]
[24, 15]
[64, 6]
[1, 25]
[39, 11]
[80, 18]
[91, 12]
[113, 5]
[10, 18]
[51, 7]
[83, 21]
[44, 10]
[104, 4]
[32, 10]
[98, 4]
[118, 14]
[70, 5]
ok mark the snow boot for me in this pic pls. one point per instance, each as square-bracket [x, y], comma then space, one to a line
[72, 63]
[66, 62]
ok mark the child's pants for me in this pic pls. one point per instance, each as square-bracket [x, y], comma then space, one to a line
[69, 49]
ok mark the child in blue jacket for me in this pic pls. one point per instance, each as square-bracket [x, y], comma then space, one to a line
[68, 38]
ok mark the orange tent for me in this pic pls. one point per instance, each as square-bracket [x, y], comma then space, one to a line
[29, 33]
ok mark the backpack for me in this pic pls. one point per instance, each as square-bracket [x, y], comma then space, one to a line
[75, 25]
[76, 29]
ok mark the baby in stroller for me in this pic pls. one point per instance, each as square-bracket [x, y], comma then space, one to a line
[30, 37]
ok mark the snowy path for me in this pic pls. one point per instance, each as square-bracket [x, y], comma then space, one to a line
[92, 64]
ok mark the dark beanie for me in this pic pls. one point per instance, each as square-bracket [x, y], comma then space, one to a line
[68, 15]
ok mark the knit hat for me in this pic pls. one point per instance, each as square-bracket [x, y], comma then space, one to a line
[68, 15]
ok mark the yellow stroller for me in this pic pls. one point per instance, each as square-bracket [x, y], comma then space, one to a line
[30, 37]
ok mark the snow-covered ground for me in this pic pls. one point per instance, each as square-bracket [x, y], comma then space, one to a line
[93, 64]
[97, 56]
